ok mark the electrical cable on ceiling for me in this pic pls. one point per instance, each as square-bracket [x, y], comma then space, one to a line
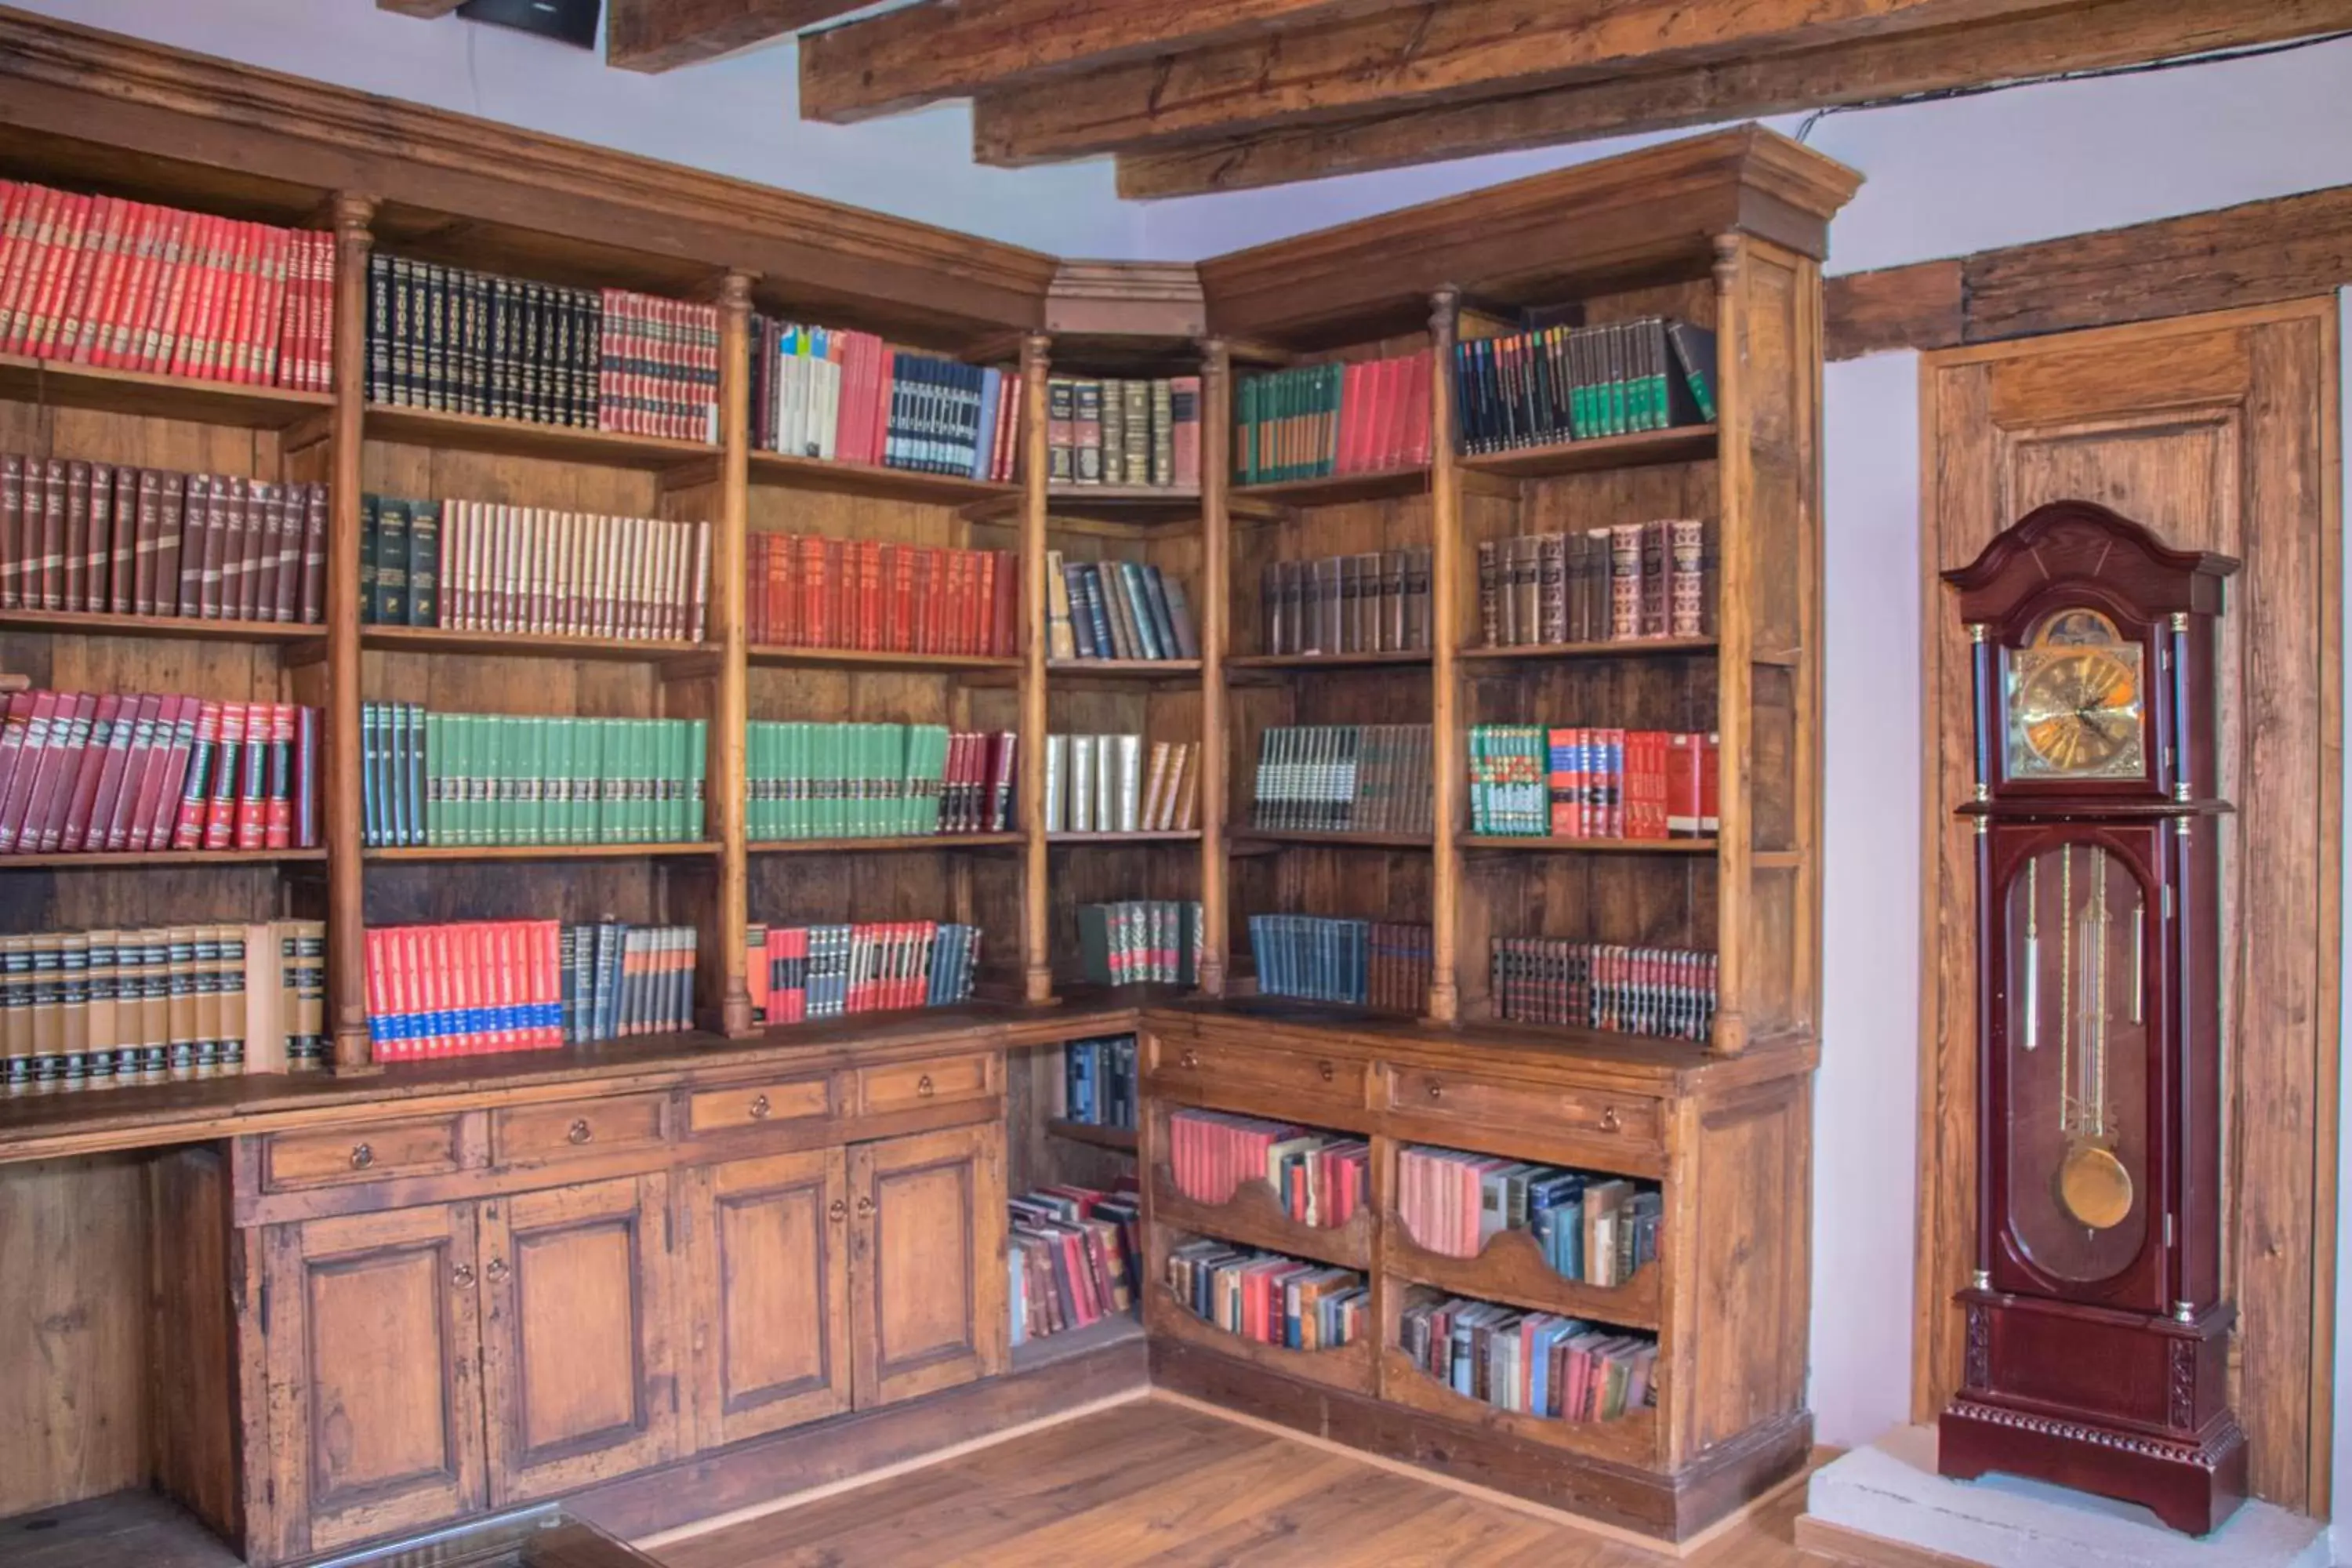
[1936, 95]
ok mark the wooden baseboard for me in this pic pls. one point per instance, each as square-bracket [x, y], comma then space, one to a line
[1852, 1549]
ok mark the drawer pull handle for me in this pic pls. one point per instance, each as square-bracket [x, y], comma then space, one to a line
[865, 1204]
[581, 1133]
[923, 1086]
[1437, 1091]
[462, 1276]
[362, 1156]
[837, 1210]
[1609, 1120]
[1325, 1068]
[496, 1271]
[1188, 1061]
[760, 1109]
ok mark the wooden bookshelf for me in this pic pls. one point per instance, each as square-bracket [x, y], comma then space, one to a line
[56, 384]
[188, 628]
[1598, 454]
[521, 645]
[1335, 489]
[1121, 1138]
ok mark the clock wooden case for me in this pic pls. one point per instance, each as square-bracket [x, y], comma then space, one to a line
[2098, 1332]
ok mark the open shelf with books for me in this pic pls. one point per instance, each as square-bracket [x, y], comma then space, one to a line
[1230, 1301]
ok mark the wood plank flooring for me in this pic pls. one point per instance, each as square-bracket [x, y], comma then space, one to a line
[1164, 1483]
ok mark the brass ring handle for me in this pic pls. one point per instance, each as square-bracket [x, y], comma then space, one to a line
[837, 1209]
[496, 1271]
[581, 1131]
[1436, 1091]
[923, 1086]
[1188, 1060]
[760, 1109]
[1325, 1068]
[362, 1156]
[865, 1204]
[462, 1276]
[1609, 1120]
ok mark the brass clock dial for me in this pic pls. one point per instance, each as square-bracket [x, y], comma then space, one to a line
[2076, 702]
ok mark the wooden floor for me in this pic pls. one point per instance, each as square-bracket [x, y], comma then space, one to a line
[1159, 1482]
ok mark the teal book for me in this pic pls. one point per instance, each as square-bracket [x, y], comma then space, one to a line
[530, 775]
[368, 505]
[698, 765]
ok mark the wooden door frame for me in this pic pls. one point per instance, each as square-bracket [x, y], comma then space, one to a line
[1932, 1318]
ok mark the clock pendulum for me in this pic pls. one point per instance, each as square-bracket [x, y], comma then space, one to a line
[2092, 1184]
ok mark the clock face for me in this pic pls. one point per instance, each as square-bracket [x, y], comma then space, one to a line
[2076, 702]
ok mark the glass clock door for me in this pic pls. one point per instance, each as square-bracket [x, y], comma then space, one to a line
[2079, 1031]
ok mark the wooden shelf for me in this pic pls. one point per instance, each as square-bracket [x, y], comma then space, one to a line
[1347, 1366]
[183, 628]
[1623, 647]
[1629, 1439]
[1544, 844]
[1111, 503]
[1154, 836]
[1255, 1218]
[769, 655]
[1124, 668]
[1686, 444]
[1119, 1138]
[530, 645]
[81, 861]
[57, 384]
[875, 481]
[1367, 840]
[458, 852]
[1118, 1329]
[1510, 1268]
[1339, 489]
[1404, 658]
[893, 844]
[522, 438]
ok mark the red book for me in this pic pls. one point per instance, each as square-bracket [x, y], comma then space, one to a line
[69, 308]
[202, 351]
[1709, 773]
[22, 742]
[114, 775]
[902, 598]
[314, 554]
[277, 832]
[233, 334]
[379, 997]
[1008, 603]
[119, 499]
[53, 781]
[19, 205]
[135, 284]
[94, 283]
[252, 826]
[61, 243]
[869, 593]
[208, 753]
[89, 764]
[1685, 760]
[135, 727]
[12, 530]
[49, 571]
[74, 539]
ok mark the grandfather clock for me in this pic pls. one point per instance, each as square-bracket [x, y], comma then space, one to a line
[2096, 1330]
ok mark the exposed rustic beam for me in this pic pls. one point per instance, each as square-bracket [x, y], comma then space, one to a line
[1419, 58]
[661, 35]
[426, 8]
[2116, 32]
[953, 48]
[1914, 307]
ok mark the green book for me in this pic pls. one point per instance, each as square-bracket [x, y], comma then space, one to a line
[580, 812]
[554, 781]
[435, 765]
[530, 791]
[391, 562]
[826, 741]
[368, 505]
[425, 564]
[490, 761]
[800, 766]
[670, 792]
[697, 766]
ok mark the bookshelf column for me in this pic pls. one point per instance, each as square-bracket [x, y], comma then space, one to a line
[1215, 599]
[732, 710]
[1734, 675]
[1038, 971]
[346, 871]
[1445, 638]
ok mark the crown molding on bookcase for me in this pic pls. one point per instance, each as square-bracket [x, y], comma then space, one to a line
[1154, 299]
[266, 137]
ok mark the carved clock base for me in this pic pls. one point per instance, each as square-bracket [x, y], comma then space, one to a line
[2191, 1486]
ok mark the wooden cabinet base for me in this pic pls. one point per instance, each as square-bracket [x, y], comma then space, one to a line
[1670, 1506]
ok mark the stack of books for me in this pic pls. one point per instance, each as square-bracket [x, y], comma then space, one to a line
[126, 284]
[1138, 941]
[1141, 434]
[1116, 609]
[1269, 1298]
[1359, 964]
[1569, 384]
[1072, 1257]
[1533, 781]
[1620, 584]
[806, 591]
[1320, 1179]
[1662, 991]
[1594, 1230]
[1097, 784]
[874, 781]
[1343, 778]
[656, 366]
[84, 773]
[1367, 416]
[475, 566]
[1538, 1363]
[848, 396]
[93, 1009]
[802, 971]
[484, 987]
[93, 537]
[495, 779]
[1373, 602]
[1097, 1086]
[621, 980]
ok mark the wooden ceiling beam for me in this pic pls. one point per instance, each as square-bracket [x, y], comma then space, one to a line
[1420, 56]
[662, 35]
[953, 48]
[2114, 32]
[425, 9]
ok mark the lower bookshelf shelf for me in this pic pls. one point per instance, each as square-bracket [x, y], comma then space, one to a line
[1119, 1138]
[1119, 1328]
[1510, 1269]
[1255, 1218]
[1347, 1366]
[1629, 1439]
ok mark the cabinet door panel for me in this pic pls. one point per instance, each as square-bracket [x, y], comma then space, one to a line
[767, 1244]
[576, 1334]
[375, 1409]
[928, 1250]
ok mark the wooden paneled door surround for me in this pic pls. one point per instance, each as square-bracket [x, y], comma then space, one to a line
[2220, 432]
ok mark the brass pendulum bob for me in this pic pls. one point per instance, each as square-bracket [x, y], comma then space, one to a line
[2093, 1185]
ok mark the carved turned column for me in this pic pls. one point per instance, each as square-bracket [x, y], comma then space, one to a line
[346, 889]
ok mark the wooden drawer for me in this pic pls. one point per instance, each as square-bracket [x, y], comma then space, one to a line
[1207, 1067]
[910, 1086]
[1630, 1120]
[578, 1129]
[378, 1152]
[763, 1103]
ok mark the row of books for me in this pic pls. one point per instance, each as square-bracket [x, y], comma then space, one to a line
[1096, 784]
[1097, 1086]
[1593, 1230]
[1538, 1363]
[1116, 609]
[1269, 1298]
[1321, 1179]
[848, 396]
[98, 1009]
[1360, 964]
[1123, 432]
[1534, 781]
[808, 591]
[1570, 383]
[1662, 991]
[1362, 417]
[88, 773]
[874, 781]
[1628, 581]
[801, 972]
[94, 537]
[1139, 942]
[430, 778]
[1073, 1256]
[486, 987]
[1374, 603]
[656, 366]
[480, 566]
[128, 285]
[1343, 778]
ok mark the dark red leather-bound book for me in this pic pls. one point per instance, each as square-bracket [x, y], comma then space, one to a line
[49, 578]
[22, 736]
[106, 801]
[195, 519]
[902, 598]
[12, 532]
[122, 540]
[253, 776]
[314, 554]
[139, 719]
[53, 785]
[88, 763]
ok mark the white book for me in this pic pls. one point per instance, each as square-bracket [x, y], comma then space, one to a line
[1082, 783]
[1057, 766]
[1129, 749]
